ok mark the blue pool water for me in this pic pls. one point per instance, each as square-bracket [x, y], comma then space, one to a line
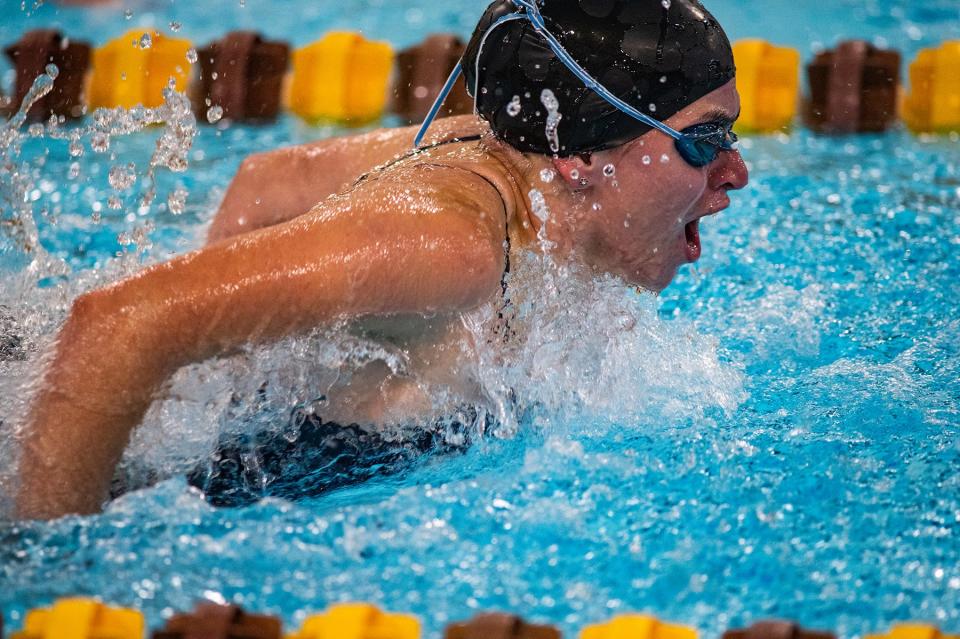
[777, 435]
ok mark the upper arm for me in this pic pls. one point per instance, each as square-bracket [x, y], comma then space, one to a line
[418, 240]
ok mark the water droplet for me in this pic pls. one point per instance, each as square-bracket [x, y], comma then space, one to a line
[663, 79]
[122, 177]
[128, 14]
[95, 216]
[175, 26]
[177, 200]
[547, 175]
[483, 90]
[100, 142]
[665, 4]
[146, 41]
[114, 202]
[75, 148]
[35, 130]
[74, 172]
[596, 206]
[192, 56]
[609, 170]
[214, 113]
[538, 205]
[52, 71]
[646, 159]
[552, 105]
[513, 107]
[664, 158]
[652, 107]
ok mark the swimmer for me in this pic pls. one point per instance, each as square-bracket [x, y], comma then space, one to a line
[624, 106]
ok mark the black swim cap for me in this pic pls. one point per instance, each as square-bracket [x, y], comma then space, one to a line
[657, 55]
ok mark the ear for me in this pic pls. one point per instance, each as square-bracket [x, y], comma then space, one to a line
[577, 171]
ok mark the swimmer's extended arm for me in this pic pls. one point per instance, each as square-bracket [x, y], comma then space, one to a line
[276, 186]
[426, 239]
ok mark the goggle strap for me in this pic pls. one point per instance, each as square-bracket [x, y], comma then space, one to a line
[435, 109]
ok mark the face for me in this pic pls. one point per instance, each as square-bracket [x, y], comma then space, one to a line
[642, 222]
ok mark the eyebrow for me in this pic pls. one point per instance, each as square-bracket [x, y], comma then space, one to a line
[717, 114]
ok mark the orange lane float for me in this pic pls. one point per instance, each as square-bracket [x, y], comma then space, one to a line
[342, 78]
[853, 89]
[499, 626]
[358, 621]
[216, 621]
[421, 72]
[242, 74]
[30, 57]
[135, 69]
[776, 629]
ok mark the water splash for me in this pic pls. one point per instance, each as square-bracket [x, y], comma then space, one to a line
[552, 105]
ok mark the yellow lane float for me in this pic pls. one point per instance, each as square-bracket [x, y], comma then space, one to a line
[768, 79]
[135, 69]
[82, 619]
[344, 78]
[913, 631]
[358, 621]
[933, 104]
[637, 627]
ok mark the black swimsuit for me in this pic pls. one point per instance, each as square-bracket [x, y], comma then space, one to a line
[311, 457]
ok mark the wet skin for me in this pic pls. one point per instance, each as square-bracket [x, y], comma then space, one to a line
[398, 255]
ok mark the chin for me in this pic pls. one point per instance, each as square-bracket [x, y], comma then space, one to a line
[653, 282]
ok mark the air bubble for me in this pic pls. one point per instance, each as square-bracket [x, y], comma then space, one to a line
[596, 206]
[652, 107]
[574, 174]
[146, 41]
[514, 108]
[175, 26]
[609, 170]
[214, 113]
[646, 159]
[547, 175]
[75, 148]
[192, 56]
[74, 172]
[127, 14]
[52, 71]
[664, 158]
[665, 4]
[114, 203]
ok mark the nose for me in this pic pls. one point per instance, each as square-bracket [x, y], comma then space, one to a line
[729, 172]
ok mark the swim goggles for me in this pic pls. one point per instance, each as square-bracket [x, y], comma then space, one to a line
[698, 145]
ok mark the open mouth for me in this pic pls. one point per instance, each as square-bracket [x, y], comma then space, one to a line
[692, 233]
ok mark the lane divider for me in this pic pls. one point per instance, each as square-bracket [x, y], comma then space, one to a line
[347, 79]
[84, 618]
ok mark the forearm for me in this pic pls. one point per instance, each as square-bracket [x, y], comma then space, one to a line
[95, 391]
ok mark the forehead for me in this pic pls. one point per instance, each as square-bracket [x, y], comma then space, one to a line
[720, 104]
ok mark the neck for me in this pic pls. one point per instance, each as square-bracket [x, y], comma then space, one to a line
[526, 172]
